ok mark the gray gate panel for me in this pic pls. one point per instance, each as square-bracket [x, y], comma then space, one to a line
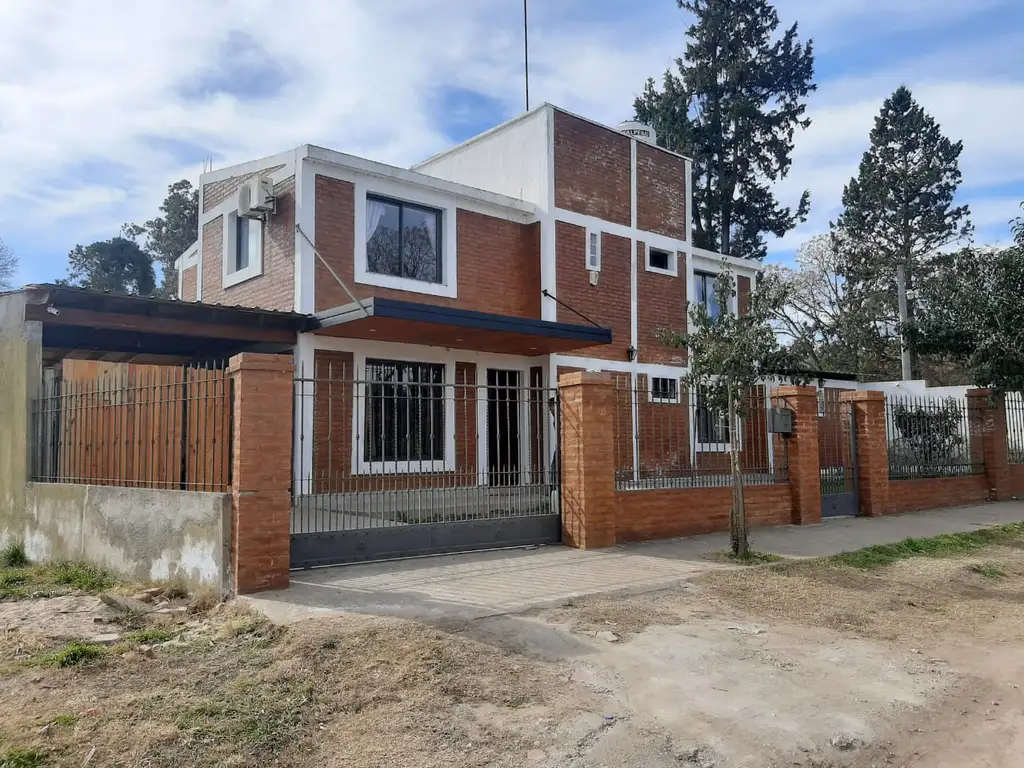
[309, 550]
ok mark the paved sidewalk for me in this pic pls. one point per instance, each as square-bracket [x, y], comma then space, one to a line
[482, 584]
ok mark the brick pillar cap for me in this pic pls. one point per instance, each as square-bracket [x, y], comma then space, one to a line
[980, 392]
[576, 378]
[252, 361]
[860, 395]
[795, 390]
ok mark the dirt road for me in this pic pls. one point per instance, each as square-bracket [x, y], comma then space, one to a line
[808, 665]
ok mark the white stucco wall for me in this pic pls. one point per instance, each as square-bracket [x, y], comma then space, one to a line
[510, 160]
[138, 534]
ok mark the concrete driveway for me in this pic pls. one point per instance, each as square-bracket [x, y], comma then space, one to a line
[476, 585]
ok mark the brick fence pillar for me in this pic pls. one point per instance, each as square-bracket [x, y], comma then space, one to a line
[872, 451]
[261, 471]
[804, 459]
[987, 415]
[588, 460]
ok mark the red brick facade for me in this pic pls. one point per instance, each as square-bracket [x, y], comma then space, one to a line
[275, 287]
[592, 169]
[498, 260]
[216, 192]
[662, 304]
[608, 302]
[660, 192]
[188, 284]
[935, 493]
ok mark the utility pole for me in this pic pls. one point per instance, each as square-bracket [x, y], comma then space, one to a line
[526, 55]
[901, 289]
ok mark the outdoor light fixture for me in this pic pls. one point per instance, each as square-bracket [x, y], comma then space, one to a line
[631, 353]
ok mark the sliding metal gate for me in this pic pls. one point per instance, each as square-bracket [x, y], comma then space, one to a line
[418, 459]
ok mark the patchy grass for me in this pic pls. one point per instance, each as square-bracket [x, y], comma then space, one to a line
[13, 555]
[66, 720]
[70, 655]
[988, 570]
[81, 576]
[21, 758]
[946, 545]
[752, 557]
[147, 636]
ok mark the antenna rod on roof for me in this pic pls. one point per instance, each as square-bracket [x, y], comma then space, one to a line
[526, 55]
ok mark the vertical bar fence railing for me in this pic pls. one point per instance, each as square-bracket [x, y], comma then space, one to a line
[140, 426]
[932, 437]
[666, 438]
[1015, 427]
[409, 443]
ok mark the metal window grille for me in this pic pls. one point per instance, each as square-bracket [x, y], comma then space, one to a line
[932, 438]
[141, 426]
[681, 444]
[1015, 427]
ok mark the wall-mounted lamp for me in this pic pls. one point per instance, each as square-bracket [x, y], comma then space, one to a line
[631, 353]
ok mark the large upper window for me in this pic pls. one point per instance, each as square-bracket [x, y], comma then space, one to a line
[404, 413]
[706, 293]
[403, 240]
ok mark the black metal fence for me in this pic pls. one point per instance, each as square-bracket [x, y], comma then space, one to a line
[930, 437]
[666, 438]
[1015, 427]
[421, 443]
[142, 426]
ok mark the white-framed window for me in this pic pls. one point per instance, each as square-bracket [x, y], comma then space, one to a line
[821, 402]
[593, 250]
[664, 389]
[711, 427]
[663, 261]
[405, 238]
[242, 257]
[402, 417]
[705, 289]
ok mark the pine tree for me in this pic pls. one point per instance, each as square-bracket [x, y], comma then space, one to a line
[168, 236]
[117, 265]
[898, 210]
[734, 108]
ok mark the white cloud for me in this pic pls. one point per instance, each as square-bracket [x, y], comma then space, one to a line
[94, 96]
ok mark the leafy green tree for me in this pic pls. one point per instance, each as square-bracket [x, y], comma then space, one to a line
[167, 236]
[8, 266]
[734, 107]
[971, 310]
[730, 355]
[117, 265]
[898, 210]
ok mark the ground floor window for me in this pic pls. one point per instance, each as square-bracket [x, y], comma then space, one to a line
[712, 424]
[404, 413]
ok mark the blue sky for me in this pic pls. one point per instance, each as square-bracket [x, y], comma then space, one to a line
[102, 105]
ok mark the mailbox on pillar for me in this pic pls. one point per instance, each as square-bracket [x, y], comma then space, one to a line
[780, 421]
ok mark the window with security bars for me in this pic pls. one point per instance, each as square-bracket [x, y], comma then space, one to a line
[664, 390]
[404, 414]
[712, 425]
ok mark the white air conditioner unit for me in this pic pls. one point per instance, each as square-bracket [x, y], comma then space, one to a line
[256, 198]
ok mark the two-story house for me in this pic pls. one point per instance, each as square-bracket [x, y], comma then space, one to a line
[449, 297]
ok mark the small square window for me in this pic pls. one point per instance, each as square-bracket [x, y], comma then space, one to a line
[664, 390]
[594, 250]
[403, 240]
[658, 258]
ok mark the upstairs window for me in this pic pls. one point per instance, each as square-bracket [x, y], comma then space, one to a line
[248, 243]
[403, 240]
[659, 259]
[706, 293]
[593, 250]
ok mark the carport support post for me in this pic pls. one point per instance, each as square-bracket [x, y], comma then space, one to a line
[261, 470]
[804, 457]
[987, 414]
[872, 451]
[588, 460]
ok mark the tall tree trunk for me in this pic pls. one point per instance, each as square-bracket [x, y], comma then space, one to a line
[738, 515]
